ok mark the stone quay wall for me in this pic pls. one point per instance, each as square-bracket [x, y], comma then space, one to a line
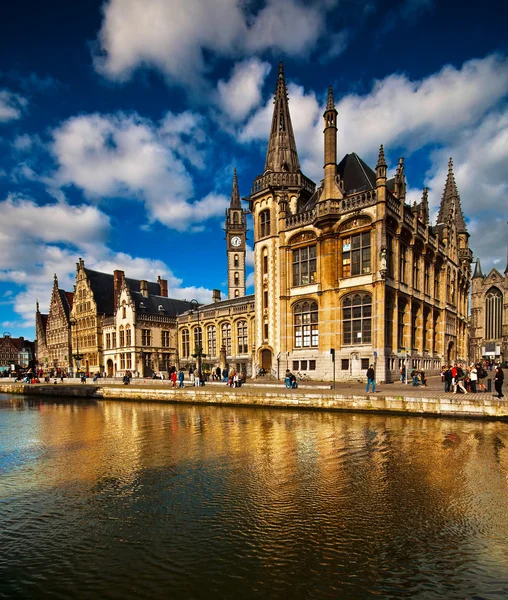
[408, 404]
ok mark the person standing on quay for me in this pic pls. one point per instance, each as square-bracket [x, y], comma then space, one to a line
[498, 381]
[371, 379]
[180, 378]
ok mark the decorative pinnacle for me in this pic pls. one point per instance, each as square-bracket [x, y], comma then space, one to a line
[330, 105]
[381, 161]
[281, 69]
[235, 195]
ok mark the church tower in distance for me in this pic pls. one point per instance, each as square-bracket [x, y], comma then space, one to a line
[236, 230]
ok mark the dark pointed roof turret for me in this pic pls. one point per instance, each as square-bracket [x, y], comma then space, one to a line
[235, 195]
[281, 154]
[477, 269]
[451, 198]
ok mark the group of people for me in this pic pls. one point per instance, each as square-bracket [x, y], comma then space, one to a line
[290, 380]
[472, 379]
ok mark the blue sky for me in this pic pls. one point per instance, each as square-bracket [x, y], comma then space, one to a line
[121, 122]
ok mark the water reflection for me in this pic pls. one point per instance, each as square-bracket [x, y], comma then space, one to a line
[156, 500]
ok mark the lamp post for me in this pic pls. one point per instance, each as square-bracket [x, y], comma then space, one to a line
[77, 356]
[198, 350]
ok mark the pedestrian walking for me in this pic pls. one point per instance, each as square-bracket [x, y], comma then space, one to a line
[473, 377]
[371, 379]
[448, 377]
[498, 381]
[180, 378]
[173, 378]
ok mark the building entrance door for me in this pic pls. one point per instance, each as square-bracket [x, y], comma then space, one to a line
[109, 368]
[266, 360]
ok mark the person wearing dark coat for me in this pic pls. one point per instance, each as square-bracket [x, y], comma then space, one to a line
[371, 379]
[498, 381]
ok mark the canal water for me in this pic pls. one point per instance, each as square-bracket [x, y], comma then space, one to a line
[146, 500]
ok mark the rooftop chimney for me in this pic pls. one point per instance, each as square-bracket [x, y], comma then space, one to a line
[215, 296]
[143, 288]
[163, 285]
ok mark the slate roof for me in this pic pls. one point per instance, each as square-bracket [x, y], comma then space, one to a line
[102, 285]
[356, 174]
[64, 297]
[171, 307]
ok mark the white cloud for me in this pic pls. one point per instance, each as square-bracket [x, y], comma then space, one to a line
[11, 106]
[125, 155]
[238, 96]
[39, 241]
[173, 36]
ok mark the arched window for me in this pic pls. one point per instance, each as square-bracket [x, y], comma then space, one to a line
[185, 343]
[226, 337]
[237, 294]
[264, 221]
[198, 339]
[235, 217]
[128, 336]
[124, 310]
[357, 319]
[212, 340]
[265, 261]
[356, 254]
[236, 261]
[237, 279]
[241, 334]
[305, 319]
[122, 337]
[493, 314]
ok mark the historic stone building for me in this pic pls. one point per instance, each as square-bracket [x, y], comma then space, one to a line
[15, 352]
[95, 315]
[140, 336]
[53, 331]
[348, 273]
[489, 315]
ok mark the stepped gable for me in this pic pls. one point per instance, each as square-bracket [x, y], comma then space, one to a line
[356, 174]
[150, 305]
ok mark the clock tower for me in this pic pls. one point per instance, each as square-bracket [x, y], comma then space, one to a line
[236, 229]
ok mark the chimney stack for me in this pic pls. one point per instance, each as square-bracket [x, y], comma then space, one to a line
[118, 277]
[215, 296]
[163, 286]
[143, 288]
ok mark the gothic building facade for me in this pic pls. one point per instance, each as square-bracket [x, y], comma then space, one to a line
[489, 315]
[53, 347]
[347, 273]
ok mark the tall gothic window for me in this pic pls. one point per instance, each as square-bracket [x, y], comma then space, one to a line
[185, 343]
[198, 338]
[403, 263]
[212, 340]
[357, 319]
[304, 265]
[243, 341]
[226, 337]
[416, 271]
[306, 326]
[264, 221]
[128, 336]
[236, 261]
[165, 338]
[493, 314]
[122, 337]
[356, 254]
[401, 311]
[146, 337]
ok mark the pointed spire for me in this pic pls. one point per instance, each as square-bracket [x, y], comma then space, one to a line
[381, 161]
[330, 105]
[37, 304]
[477, 270]
[235, 195]
[55, 280]
[281, 154]
[451, 198]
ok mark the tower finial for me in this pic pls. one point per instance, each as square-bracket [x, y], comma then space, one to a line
[381, 161]
[330, 105]
[477, 269]
[451, 200]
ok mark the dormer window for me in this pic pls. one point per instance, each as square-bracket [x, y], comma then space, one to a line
[161, 308]
[142, 306]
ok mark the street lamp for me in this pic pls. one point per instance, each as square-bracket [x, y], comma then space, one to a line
[198, 351]
[77, 356]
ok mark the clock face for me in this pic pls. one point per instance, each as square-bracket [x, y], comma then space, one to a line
[236, 241]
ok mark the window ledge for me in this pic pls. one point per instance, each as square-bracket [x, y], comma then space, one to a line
[301, 290]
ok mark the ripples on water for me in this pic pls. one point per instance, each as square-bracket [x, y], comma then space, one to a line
[125, 500]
